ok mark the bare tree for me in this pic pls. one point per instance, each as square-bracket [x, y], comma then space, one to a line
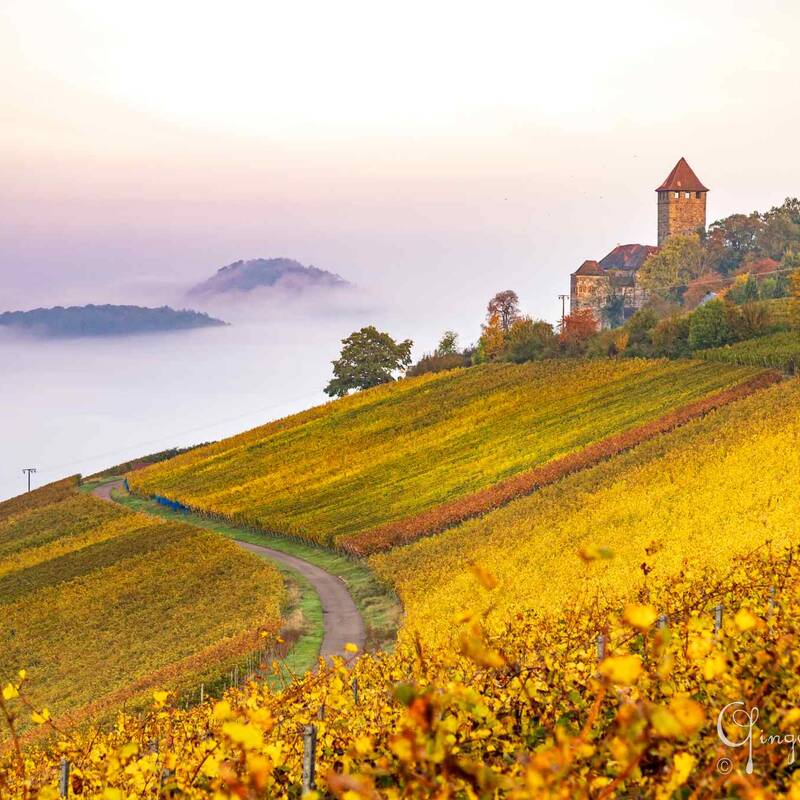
[506, 306]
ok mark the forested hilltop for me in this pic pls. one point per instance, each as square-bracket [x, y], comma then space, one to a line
[105, 320]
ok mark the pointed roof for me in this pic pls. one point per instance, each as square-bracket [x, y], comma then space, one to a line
[683, 179]
[589, 268]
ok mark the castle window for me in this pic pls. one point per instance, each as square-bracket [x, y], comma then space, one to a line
[688, 195]
[697, 195]
[677, 195]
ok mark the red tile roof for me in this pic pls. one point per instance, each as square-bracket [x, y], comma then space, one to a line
[589, 268]
[627, 256]
[682, 178]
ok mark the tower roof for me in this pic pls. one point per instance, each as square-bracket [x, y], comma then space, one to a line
[682, 178]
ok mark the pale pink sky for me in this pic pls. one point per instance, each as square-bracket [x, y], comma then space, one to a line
[462, 147]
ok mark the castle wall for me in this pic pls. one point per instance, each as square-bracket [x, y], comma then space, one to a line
[587, 291]
[680, 215]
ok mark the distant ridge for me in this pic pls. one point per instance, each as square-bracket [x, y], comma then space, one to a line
[105, 320]
[283, 273]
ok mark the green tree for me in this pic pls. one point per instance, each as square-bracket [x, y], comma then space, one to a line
[671, 337]
[529, 340]
[369, 357]
[448, 344]
[613, 312]
[681, 259]
[744, 289]
[709, 326]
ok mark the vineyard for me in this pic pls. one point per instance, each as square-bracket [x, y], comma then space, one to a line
[576, 641]
[99, 603]
[778, 350]
[401, 449]
[705, 492]
[533, 710]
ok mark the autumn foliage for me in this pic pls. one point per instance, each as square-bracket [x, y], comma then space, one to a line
[449, 514]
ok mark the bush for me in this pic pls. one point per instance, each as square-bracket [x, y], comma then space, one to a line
[529, 340]
[709, 326]
[670, 337]
[438, 363]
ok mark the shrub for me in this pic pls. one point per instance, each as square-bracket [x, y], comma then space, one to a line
[709, 326]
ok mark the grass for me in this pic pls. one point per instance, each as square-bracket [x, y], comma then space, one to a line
[400, 449]
[376, 602]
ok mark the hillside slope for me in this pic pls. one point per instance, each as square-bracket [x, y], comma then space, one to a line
[397, 450]
[705, 493]
[95, 598]
[533, 660]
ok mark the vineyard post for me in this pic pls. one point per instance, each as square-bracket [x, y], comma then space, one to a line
[355, 690]
[771, 601]
[662, 622]
[309, 758]
[717, 618]
[63, 778]
[202, 693]
[601, 647]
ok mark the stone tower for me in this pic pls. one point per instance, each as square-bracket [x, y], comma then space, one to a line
[681, 203]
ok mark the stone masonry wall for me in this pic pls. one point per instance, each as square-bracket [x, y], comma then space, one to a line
[680, 215]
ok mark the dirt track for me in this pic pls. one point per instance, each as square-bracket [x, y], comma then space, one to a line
[341, 621]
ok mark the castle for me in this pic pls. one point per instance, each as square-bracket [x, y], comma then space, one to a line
[681, 210]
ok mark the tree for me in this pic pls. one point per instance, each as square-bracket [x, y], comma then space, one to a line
[744, 289]
[506, 306]
[576, 331]
[709, 326]
[680, 260]
[529, 340]
[729, 240]
[613, 312]
[448, 344]
[368, 358]
[671, 337]
[492, 343]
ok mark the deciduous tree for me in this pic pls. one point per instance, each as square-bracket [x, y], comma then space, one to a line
[369, 357]
[506, 306]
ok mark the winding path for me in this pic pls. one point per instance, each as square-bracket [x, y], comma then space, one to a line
[342, 622]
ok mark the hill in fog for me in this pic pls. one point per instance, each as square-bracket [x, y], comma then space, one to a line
[105, 320]
[279, 273]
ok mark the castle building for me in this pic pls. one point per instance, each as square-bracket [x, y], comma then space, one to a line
[681, 210]
[681, 203]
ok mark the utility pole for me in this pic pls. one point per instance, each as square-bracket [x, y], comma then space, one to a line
[29, 470]
[563, 298]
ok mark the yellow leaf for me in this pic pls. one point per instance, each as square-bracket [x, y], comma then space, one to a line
[640, 617]
[624, 670]
[745, 620]
[689, 713]
[682, 768]
[22, 674]
[714, 666]
[10, 692]
[351, 648]
[486, 578]
[160, 699]
[40, 718]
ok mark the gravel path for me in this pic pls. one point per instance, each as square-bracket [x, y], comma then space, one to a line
[341, 620]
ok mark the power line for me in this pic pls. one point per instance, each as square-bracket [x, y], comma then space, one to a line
[29, 470]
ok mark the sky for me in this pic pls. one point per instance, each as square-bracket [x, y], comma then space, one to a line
[429, 149]
[433, 153]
